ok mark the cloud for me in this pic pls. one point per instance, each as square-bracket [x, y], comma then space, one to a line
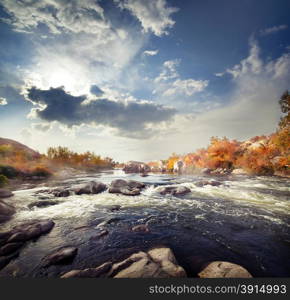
[43, 127]
[136, 119]
[154, 16]
[3, 101]
[95, 90]
[251, 109]
[169, 84]
[273, 29]
[150, 52]
[186, 87]
[59, 16]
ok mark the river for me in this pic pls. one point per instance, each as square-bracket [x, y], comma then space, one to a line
[245, 220]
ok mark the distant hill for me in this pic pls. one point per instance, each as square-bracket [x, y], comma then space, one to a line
[19, 147]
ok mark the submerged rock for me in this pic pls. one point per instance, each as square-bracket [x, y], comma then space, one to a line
[62, 193]
[174, 190]
[94, 187]
[5, 193]
[127, 188]
[223, 269]
[141, 228]
[10, 248]
[6, 211]
[156, 263]
[62, 256]
[43, 203]
[202, 183]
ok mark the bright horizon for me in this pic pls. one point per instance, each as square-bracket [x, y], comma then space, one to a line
[139, 80]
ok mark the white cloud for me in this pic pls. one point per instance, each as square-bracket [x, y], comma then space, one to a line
[273, 29]
[59, 16]
[3, 101]
[150, 52]
[186, 87]
[154, 16]
[169, 71]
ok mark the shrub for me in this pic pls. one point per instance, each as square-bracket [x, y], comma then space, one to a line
[8, 171]
[3, 180]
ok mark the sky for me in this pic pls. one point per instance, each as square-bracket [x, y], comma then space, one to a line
[139, 79]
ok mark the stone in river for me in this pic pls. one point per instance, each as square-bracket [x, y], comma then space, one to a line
[223, 269]
[62, 256]
[10, 248]
[6, 211]
[93, 187]
[5, 193]
[141, 228]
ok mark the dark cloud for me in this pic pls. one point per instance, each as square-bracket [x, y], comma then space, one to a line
[131, 119]
[95, 90]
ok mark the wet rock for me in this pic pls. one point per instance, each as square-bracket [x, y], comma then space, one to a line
[91, 188]
[18, 237]
[5, 260]
[144, 175]
[10, 248]
[107, 222]
[6, 211]
[43, 203]
[222, 269]
[100, 235]
[202, 183]
[157, 263]
[127, 188]
[62, 256]
[114, 208]
[63, 193]
[5, 193]
[205, 171]
[174, 190]
[141, 228]
[101, 271]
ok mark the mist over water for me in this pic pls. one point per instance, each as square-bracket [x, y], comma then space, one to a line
[245, 220]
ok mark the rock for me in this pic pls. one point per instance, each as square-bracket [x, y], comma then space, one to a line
[136, 167]
[205, 171]
[174, 190]
[63, 193]
[5, 260]
[62, 256]
[222, 269]
[114, 207]
[166, 258]
[141, 228]
[18, 237]
[5, 193]
[157, 263]
[101, 271]
[127, 188]
[135, 184]
[43, 203]
[91, 188]
[10, 248]
[239, 172]
[144, 175]
[6, 211]
[100, 234]
[202, 183]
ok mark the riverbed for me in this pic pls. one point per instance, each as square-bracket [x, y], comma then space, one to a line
[245, 220]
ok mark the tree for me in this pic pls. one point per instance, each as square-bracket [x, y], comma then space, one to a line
[285, 108]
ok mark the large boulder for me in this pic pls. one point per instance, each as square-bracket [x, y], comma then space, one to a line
[5, 193]
[136, 167]
[156, 263]
[93, 187]
[61, 256]
[223, 269]
[6, 211]
[173, 190]
[128, 188]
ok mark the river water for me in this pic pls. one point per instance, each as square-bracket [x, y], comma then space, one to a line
[246, 220]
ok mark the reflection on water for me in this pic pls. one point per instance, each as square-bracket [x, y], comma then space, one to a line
[245, 220]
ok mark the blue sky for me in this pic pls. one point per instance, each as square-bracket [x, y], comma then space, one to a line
[138, 79]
